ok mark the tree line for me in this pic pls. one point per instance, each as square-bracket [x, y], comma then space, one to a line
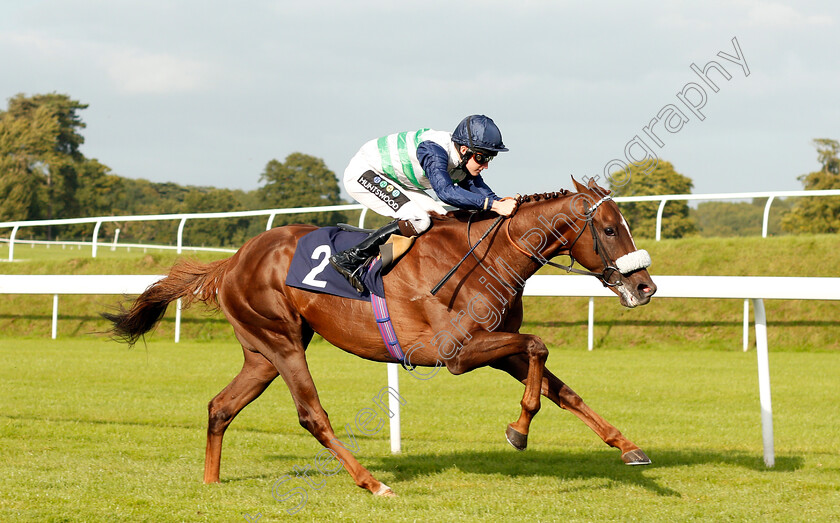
[819, 214]
[44, 175]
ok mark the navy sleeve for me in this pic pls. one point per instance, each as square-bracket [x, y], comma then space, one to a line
[435, 162]
[475, 184]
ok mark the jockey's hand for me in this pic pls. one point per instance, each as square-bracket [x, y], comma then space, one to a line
[504, 207]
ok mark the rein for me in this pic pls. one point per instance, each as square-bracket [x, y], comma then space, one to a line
[449, 274]
[609, 270]
[604, 276]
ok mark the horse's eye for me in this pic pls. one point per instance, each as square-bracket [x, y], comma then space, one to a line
[609, 231]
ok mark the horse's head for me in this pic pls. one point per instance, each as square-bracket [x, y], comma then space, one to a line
[605, 245]
[588, 227]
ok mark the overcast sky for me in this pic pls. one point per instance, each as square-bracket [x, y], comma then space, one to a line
[207, 92]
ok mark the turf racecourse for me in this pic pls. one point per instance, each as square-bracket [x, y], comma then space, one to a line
[92, 431]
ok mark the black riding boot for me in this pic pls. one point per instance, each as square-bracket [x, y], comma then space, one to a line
[349, 262]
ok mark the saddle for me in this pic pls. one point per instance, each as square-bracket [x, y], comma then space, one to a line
[311, 271]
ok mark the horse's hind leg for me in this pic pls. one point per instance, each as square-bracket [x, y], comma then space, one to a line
[287, 354]
[562, 395]
[256, 375]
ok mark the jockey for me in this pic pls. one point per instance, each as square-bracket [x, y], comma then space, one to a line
[390, 176]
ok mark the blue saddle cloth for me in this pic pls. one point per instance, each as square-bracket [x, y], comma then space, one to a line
[310, 269]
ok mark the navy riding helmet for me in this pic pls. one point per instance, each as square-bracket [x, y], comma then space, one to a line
[479, 132]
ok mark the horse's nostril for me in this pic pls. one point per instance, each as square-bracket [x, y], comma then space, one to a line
[646, 289]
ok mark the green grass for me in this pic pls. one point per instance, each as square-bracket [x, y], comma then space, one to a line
[92, 431]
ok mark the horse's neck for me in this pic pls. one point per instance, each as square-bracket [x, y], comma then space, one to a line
[495, 254]
[516, 264]
[550, 219]
[501, 258]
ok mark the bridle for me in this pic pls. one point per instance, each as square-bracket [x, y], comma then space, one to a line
[609, 269]
[631, 261]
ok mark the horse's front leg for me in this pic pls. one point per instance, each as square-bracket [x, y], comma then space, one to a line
[488, 347]
[565, 398]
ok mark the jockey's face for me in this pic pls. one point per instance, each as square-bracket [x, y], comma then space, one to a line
[473, 167]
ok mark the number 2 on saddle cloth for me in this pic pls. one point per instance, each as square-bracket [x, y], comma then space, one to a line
[310, 270]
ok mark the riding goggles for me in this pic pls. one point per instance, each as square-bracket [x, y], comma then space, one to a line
[482, 158]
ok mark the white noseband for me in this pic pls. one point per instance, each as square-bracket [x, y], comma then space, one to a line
[633, 261]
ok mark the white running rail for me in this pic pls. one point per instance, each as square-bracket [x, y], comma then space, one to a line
[271, 213]
[182, 219]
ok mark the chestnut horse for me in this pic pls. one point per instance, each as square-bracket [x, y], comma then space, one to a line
[275, 322]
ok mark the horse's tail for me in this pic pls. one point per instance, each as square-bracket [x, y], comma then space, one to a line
[189, 280]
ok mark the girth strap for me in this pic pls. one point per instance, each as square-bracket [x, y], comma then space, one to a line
[386, 330]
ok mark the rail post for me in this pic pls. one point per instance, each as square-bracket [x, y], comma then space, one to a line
[12, 243]
[764, 381]
[116, 238]
[181, 234]
[659, 219]
[766, 220]
[93, 240]
[746, 324]
[55, 316]
[178, 320]
[394, 405]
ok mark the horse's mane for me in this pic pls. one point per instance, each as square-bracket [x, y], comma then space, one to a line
[541, 196]
[462, 215]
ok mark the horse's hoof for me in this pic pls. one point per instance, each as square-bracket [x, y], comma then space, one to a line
[385, 491]
[517, 440]
[635, 457]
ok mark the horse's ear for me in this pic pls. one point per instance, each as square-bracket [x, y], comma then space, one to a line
[597, 188]
[592, 186]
